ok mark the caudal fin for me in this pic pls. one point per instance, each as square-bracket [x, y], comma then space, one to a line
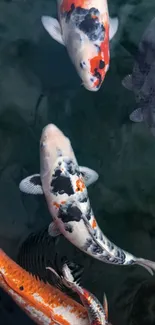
[147, 264]
[72, 271]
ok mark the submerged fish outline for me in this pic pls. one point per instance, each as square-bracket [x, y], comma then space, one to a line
[141, 80]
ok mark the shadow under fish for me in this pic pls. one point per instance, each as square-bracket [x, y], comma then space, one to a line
[142, 81]
[40, 250]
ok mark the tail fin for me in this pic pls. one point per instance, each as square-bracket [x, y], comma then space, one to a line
[72, 272]
[147, 264]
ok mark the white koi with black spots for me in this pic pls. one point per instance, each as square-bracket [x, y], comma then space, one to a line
[63, 183]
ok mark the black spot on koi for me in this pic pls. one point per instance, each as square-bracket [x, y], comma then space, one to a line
[69, 228]
[72, 213]
[35, 180]
[61, 184]
[87, 20]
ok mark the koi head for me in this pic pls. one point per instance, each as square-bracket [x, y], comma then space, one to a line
[53, 144]
[58, 167]
[88, 45]
[91, 59]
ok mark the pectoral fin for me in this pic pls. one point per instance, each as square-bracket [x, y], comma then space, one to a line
[53, 230]
[31, 185]
[113, 22]
[89, 175]
[52, 26]
[137, 115]
[127, 82]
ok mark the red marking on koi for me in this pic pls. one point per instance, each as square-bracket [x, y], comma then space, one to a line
[94, 224]
[87, 296]
[103, 55]
[66, 4]
[56, 205]
[63, 202]
[80, 185]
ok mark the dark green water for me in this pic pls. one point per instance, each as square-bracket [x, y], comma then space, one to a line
[38, 85]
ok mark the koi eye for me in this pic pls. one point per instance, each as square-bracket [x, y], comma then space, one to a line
[59, 152]
[82, 65]
[42, 144]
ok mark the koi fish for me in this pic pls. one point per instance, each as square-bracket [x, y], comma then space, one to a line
[97, 314]
[43, 303]
[83, 27]
[142, 81]
[63, 273]
[67, 198]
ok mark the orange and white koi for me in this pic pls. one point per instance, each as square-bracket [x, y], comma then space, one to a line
[43, 303]
[83, 27]
[67, 198]
[98, 314]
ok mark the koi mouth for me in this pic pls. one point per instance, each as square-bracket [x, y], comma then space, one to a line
[91, 88]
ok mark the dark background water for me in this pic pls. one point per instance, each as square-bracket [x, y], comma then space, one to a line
[38, 85]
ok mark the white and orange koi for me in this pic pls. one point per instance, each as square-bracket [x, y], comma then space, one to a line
[66, 195]
[43, 303]
[83, 27]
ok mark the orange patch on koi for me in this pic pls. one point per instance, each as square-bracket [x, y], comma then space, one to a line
[80, 185]
[94, 224]
[56, 205]
[35, 293]
[63, 202]
[103, 55]
[87, 295]
[66, 4]
[94, 17]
